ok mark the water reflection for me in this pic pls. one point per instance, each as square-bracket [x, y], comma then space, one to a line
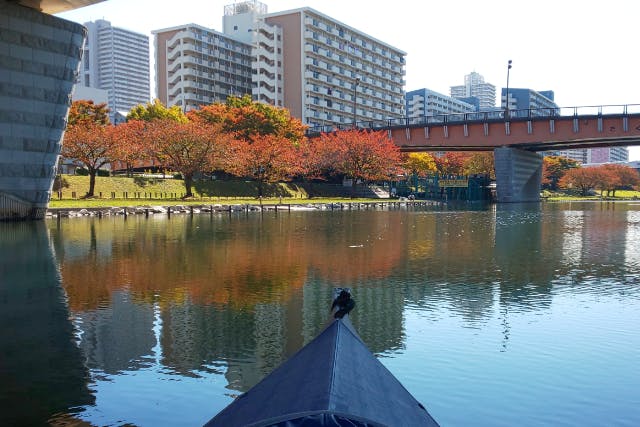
[174, 317]
[41, 368]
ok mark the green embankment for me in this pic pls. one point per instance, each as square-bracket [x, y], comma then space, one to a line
[123, 191]
[560, 196]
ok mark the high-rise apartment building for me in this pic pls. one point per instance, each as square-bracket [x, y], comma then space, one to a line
[325, 72]
[428, 103]
[475, 86]
[116, 60]
[199, 66]
[335, 74]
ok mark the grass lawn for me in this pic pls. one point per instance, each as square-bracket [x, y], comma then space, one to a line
[138, 191]
[564, 196]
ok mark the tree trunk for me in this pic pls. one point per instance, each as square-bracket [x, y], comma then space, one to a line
[188, 183]
[92, 182]
[260, 184]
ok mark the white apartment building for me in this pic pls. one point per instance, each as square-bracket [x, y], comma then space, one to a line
[475, 86]
[429, 103]
[116, 60]
[325, 72]
[199, 66]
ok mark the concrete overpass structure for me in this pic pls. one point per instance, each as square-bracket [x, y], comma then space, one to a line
[39, 60]
[516, 139]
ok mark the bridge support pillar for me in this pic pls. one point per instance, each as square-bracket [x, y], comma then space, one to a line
[518, 175]
[38, 68]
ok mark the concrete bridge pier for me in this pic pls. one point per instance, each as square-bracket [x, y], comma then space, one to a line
[518, 175]
[39, 59]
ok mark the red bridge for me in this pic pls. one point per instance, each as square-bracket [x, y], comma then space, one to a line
[515, 139]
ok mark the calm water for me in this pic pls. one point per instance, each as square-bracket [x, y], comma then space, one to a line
[515, 315]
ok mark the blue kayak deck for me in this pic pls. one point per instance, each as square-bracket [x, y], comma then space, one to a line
[332, 381]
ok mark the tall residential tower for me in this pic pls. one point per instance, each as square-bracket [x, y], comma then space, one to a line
[475, 86]
[116, 60]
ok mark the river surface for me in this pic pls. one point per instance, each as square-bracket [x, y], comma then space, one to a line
[524, 315]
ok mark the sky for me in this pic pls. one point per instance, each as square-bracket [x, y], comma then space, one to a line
[585, 51]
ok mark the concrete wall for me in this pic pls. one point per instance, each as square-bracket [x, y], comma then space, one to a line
[518, 175]
[39, 60]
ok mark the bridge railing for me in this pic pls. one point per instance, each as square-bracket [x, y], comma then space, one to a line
[481, 116]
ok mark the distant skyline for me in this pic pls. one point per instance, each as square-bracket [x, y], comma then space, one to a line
[583, 51]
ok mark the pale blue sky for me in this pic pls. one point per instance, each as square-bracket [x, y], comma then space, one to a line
[585, 51]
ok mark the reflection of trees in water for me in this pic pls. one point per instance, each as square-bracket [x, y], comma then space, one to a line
[247, 291]
[228, 287]
[41, 369]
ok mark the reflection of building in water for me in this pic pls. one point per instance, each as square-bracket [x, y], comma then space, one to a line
[116, 337]
[632, 242]
[250, 342]
[377, 316]
[41, 369]
[571, 234]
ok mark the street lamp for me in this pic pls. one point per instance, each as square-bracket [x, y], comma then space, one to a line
[355, 92]
[506, 104]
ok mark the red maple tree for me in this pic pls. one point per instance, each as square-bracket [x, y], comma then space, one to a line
[189, 148]
[362, 155]
[89, 138]
[265, 158]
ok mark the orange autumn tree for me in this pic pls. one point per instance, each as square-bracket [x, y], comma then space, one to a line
[189, 148]
[616, 177]
[246, 118]
[131, 147]
[582, 179]
[554, 168]
[264, 158]
[363, 155]
[89, 138]
[451, 163]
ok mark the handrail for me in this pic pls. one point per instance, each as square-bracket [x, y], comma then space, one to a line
[484, 116]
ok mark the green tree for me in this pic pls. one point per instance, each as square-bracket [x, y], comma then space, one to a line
[156, 110]
[480, 163]
[421, 164]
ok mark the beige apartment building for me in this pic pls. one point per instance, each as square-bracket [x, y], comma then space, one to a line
[325, 72]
